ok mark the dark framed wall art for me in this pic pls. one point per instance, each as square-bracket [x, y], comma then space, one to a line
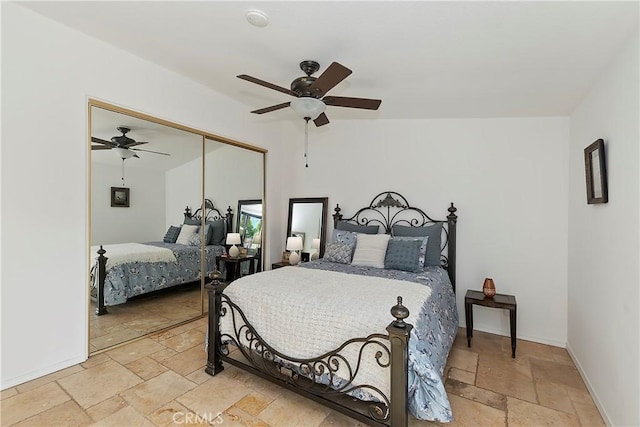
[596, 173]
[119, 197]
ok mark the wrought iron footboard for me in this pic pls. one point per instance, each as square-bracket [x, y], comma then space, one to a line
[329, 378]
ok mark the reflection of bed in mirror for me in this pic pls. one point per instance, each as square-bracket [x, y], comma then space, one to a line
[127, 270]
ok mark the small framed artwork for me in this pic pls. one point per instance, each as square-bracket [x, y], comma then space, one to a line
[285, 256]
[596, 173]
[119, 197]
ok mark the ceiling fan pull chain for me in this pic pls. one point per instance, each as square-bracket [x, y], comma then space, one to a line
[306, 142]
[122, 173]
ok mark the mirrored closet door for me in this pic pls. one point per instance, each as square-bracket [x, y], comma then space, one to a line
[161, 208]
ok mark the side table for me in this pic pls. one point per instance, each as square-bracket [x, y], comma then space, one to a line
[507, 302]
[280, 264]
[232, 265]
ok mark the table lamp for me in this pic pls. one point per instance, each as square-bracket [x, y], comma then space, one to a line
[294, 244]
[233, 239]
[315, 244]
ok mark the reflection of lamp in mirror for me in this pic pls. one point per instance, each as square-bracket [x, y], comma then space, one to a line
[257, 239]
[315, 244]
[233, 239]
[294, 244]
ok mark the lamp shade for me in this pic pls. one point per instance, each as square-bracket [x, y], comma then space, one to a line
[294, 243]
[257, 238]
[307, 106]
[233, 239]
[315, 244]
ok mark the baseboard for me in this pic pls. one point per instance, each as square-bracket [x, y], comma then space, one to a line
[490, 330]
[42, 372]
[592, 392]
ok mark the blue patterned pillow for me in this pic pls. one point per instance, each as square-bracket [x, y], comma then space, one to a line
[403, 255]
[345, 237]
[195, 239]
[172, 234]
[433, 232]
[423, 247]
[338, 252]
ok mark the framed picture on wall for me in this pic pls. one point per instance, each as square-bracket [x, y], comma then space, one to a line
[119, 197]
[596, 173]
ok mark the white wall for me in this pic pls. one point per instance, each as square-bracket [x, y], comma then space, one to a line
[508, 179]
[142, 221]
[48, 73]
[231, 174]
[603, 244]
[183, 188]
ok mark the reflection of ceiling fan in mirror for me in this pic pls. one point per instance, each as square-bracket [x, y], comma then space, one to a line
[122, 145]
[310, 93]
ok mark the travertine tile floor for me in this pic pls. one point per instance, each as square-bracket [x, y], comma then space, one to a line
[160, 381]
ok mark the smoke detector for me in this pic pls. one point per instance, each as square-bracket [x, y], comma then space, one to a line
[257, 18]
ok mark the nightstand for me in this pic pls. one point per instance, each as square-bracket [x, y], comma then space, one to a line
[232, 265]
[280, 264]
[507, 302]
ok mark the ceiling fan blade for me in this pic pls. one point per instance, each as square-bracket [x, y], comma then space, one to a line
[266, 84]
[272, 108]
[341, 101]
[102, 141]
[321, 120]
[133, 144]
[100, 147]
[148, 151]
[331, 77]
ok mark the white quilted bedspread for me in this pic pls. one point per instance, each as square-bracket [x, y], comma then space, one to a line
[123, 253]
[304, 312]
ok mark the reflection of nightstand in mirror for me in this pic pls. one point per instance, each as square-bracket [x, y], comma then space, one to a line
[304, 256]
[279, 265]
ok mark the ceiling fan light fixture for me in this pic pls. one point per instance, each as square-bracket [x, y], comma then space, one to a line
[308, 107]
[123, 153]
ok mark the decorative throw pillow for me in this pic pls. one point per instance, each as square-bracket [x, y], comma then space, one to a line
[403, 255]
[345, 237]
[355, 228]
[370, 250]
[195, 239]
[172, 234]
[186, 232]
[433, 232]
[218, 232]
[423, 247]
[192, 221]
[338, 252]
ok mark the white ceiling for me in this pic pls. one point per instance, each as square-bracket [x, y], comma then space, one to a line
[423, 59]
[182, 146]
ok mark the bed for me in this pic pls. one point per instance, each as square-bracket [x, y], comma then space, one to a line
[322, 329]
[126, 270]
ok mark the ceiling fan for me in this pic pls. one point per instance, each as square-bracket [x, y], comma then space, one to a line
[122, 144]
[310, 92]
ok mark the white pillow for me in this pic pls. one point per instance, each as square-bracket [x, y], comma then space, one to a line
[186, 232]
[370, 250]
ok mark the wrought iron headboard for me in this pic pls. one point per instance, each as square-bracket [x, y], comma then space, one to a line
[211, 213]
[390, 208]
